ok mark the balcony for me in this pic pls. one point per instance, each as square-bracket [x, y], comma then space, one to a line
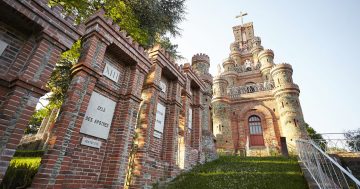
[235, 92]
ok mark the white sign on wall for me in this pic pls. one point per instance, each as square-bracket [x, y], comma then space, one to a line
[91, 142]
[98, 116]
[163, 86]
[111, 72]
[159, 122]
[3, 46]
[190, 119]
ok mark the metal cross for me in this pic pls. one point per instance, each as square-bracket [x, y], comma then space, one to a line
[241, 17]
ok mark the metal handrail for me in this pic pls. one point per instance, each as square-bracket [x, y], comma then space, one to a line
[326, 172]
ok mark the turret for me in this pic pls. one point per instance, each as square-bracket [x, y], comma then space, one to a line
[200, 64]
[235, 52]
[221, 115]
[228, 64]
[256, 48]
[287, 99]
[266, 58]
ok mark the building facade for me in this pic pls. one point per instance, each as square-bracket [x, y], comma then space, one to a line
[256, 107]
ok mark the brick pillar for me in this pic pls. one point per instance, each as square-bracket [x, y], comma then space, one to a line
[145, 130]
[171, 129]
[24, 91]
[197, 115]
[115, 165]
[57, 161]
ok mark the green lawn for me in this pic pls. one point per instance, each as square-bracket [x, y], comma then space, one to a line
[20, 172]
[243, 172]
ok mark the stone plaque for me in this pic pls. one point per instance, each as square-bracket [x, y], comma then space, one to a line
[98, 116]
[190, 119]
[90, 142]
[111, 72]
[159, 122]
[3, 46]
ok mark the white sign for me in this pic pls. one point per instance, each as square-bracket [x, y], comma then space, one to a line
[3, 46]
[190, 119]
[163, 86]
[111, 72]
[91, 142]
[98, 116]
[159, 122]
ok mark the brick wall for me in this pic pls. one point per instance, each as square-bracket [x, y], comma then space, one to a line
[33, 38]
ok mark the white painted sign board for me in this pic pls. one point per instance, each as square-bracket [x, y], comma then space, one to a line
[159, 122]
[91, 142]
[190, 119]
[163, 86]
[111, 72]
[98, 116]
[3, 46]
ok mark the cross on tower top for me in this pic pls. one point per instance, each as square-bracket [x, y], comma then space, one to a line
[241, 17]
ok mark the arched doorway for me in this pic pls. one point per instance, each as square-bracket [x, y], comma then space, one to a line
[255, 130]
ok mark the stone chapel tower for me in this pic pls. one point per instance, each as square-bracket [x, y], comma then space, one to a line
[255, 102]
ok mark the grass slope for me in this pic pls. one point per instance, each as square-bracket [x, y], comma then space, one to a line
[243, 172]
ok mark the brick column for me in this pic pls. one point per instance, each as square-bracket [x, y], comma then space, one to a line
[24, 91]
[171, 129]
[57, 161]
[145, 130]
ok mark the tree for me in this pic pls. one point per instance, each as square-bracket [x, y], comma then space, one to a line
[35, 120]
[353, 137]
[316, 137]
[146, 21]
[312, 133]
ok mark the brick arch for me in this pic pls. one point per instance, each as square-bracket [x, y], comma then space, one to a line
[265, 111]
[268, 123]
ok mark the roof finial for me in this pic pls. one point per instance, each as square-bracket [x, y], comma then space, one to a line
[241, 16]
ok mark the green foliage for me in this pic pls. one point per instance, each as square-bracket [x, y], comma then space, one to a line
[243, 172]
[312, 133]
[144, 20]
[20, 172]
[35, 120]
[61, 76]
[29, 153]
[353, 138]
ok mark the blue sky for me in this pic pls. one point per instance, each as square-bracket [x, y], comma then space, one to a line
[318, 38]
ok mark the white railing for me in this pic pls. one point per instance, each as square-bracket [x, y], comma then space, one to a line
[337, 142]
[326, 172]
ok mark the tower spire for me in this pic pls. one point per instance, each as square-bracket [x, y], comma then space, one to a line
[241, 16]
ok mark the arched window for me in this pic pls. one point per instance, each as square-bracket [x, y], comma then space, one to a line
[255, 130]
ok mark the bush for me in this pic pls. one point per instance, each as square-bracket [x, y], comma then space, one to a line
[20, 172]
[29, 153]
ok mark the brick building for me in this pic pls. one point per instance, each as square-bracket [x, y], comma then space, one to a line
[131, 117]
[256, 107]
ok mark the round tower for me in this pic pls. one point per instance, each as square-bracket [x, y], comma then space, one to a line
[228, 64]
[266, 58]
[200, 63]
[235, 52]
[221, 115]
[287, 99]
[256, 48]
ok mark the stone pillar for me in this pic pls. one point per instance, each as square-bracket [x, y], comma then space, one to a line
[287, 98]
